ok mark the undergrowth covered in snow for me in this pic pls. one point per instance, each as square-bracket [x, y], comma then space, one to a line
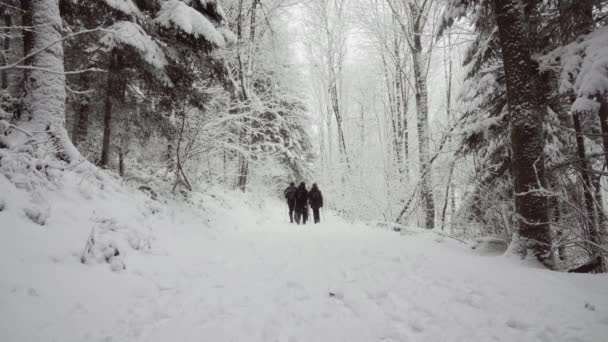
[83, 214]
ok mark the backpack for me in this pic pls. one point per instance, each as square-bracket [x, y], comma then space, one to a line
[315, 195]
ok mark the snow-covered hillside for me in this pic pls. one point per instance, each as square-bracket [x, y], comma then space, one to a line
[227, 267]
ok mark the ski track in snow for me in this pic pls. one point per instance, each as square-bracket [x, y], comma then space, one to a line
[272, 282]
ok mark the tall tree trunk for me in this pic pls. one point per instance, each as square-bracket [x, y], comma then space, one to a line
[243, 173]
[603, 116]
[44, 98]
[121, 162]
[245, 71]
[426, 188]
[398, 93]
[447, 195]
[391, 113]
[527, 116]
[590, 221]
[113, 81]
[449, 192]
[80, 125]
[6, 45]
[335, 105]
[404, 126]
[28, 31]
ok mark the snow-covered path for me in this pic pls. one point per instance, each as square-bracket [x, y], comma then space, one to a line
[271, 281]
[335, 282]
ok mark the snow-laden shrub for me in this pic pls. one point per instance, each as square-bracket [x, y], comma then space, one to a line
[110, 240]
[100, 250]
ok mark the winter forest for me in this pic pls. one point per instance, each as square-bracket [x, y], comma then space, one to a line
[461, 147]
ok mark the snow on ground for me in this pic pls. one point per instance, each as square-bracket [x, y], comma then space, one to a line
[236, 271]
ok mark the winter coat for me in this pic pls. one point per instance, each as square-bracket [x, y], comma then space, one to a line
[301, 197]
[315, 198]
[290, 193]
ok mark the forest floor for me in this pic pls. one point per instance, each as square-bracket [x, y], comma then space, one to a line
[254, 277]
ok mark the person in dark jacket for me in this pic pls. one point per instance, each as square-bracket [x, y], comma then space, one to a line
[290, 197]
[301, 204]
[315, 198]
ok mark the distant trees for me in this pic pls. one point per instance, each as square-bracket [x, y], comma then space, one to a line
[327, 24]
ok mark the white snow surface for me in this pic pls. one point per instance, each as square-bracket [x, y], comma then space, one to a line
[227, 267]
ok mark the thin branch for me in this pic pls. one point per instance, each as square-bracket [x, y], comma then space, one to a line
[48, 46]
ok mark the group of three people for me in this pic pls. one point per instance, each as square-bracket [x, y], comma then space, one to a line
[298, 200]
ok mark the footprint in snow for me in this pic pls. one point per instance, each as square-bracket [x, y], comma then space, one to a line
[416, 326]
[517, 324]
[337, 295]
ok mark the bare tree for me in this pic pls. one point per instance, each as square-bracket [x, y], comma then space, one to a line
[415, 19]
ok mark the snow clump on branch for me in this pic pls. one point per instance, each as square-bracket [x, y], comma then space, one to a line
[174, 13]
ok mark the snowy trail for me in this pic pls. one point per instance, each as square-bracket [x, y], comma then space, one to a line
[264, 280]
[273, 283]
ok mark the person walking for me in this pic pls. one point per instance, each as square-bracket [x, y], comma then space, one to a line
[301, 204]
[290, 196]
[316, 201]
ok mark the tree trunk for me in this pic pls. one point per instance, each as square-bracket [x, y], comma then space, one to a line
[243, 173]
[447, 195]
[426, 188]
[533, 229]
[245, 72]
[404, 126]
[80, 125]
[27, 22]
[603, 115]
[121, 162]
[398, 123]
[590, 221]
[335, 105]
[44, 98]
[6, 45]
[113, 81]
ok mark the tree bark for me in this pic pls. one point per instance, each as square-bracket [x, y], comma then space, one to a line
[590, 220]
[426, 188]
[603, 116]
[113, 81]
[80, 125]
[121, 162]
[527, 115]
[245, 72]
[44, 97]
[6, 45]
[27, 22]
